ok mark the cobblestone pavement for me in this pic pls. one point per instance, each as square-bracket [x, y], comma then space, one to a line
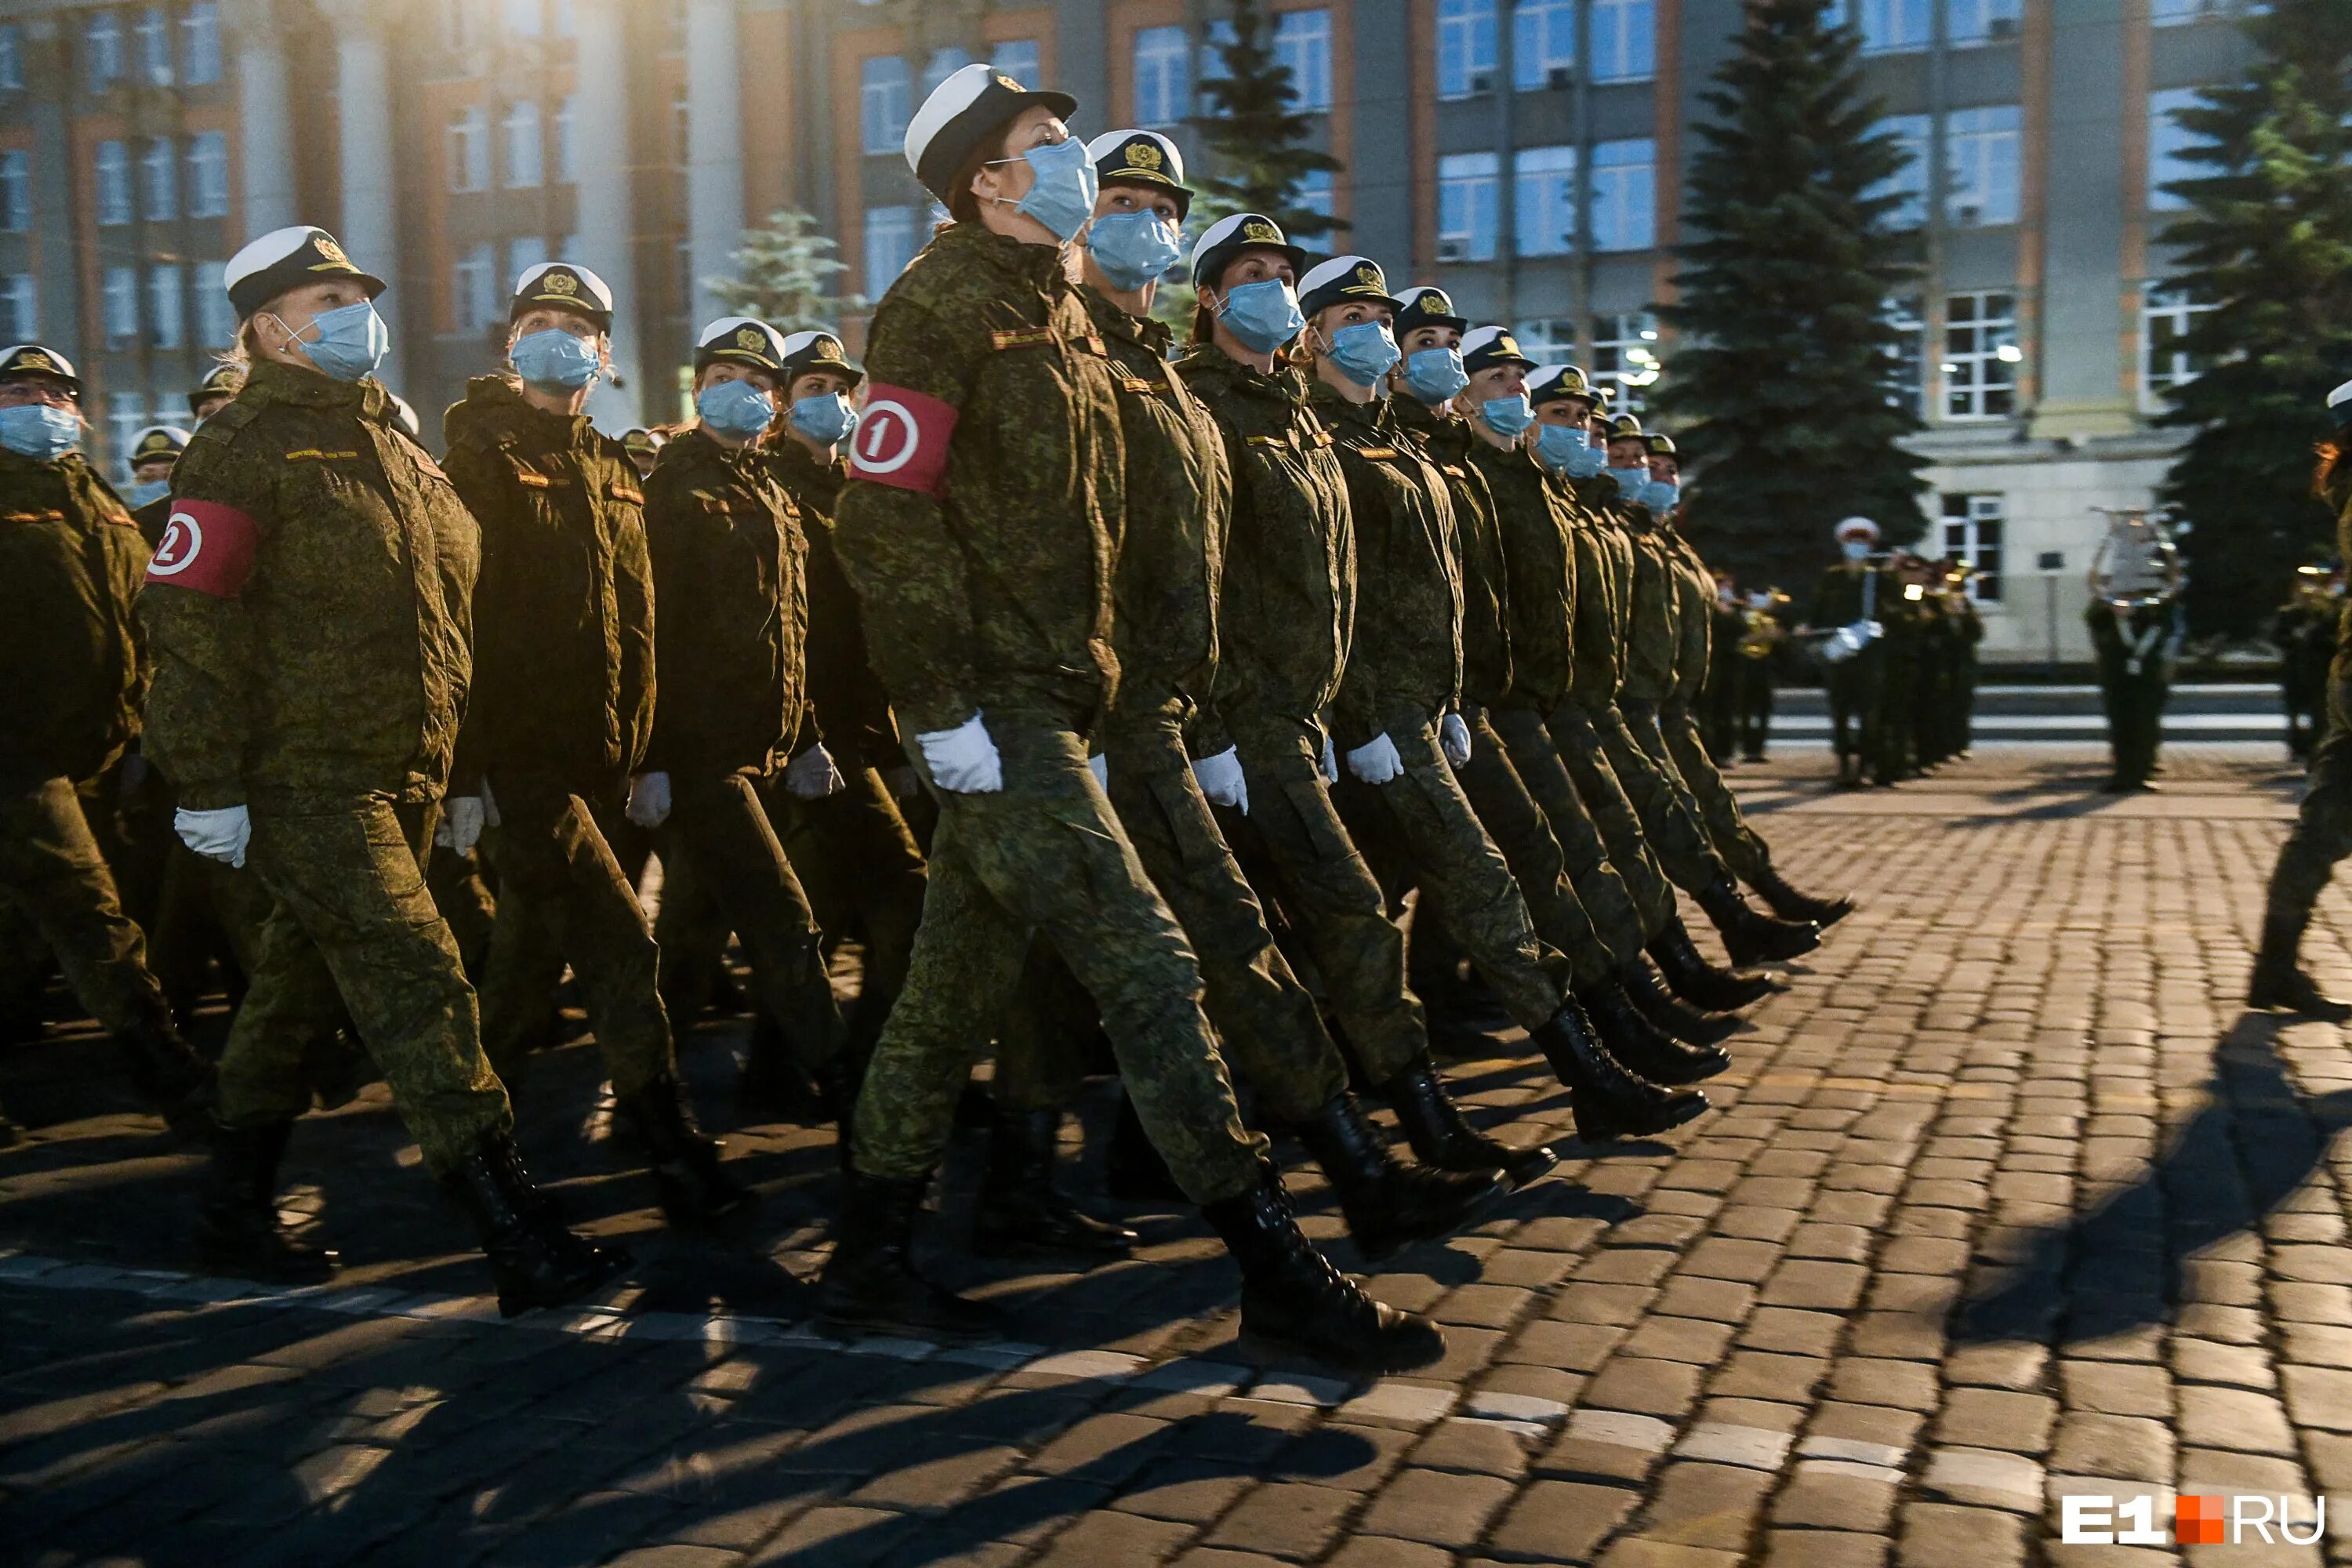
[2006, 1199]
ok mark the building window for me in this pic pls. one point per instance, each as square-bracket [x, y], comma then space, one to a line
[1466, 215]
[1318, 193]
[1163, 73]
[942, 64]
[1624, 195]
[1908, 183]
[1889, 26]
[118, 295]
[12, 58]
[889, 246]
[208, 174]
[1625, 355]
[151, 40]
[1625, 40]
[1980, 160]
[1972, 537]
[1543, 42]
[124, 418]
[2174, 13]
[1465, 47]
[1980, 356]
[526, 149]
[2168, 145]
[113, 183]
[520, 19]
[1543, 200]
[216, 319]
[2166, 364]
[567, 140]
[470, 151]
[1550, 339]
[1302, 40]
[474, 288]
[1906, 361]
[524, 254]
[1019, 59]
[164, 316]
[20, 304]
[102, 50]
[1979, 21]
[1215, 39]
[882, 102]
[159, 181]
[15, 192]
[200, 47]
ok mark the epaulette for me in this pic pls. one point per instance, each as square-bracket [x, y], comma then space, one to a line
[225, 423]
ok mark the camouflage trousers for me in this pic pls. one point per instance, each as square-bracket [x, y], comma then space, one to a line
[1549, 841]
[351, 915]
[1045, 855]
[1670, 821]
[1742, 848]
[560, 886]
[51, 869]
[1576, 737]
[2323, 824]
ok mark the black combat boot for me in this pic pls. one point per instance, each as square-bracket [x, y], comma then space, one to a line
[689, 1180]
[1697, 981]
[1134, 1172]
[1609, 1101]
[870, 1286]
[1648, 1051]
[1433, 1126]
[1791, 905]
[1292, 1297]
[238, 1228]
[1675, 1017]
[775, 1086]
[169, 1074]
[1386, 1202]
[2279, 982]
[534, 1259]
[1021, 1213]
[1752, 938]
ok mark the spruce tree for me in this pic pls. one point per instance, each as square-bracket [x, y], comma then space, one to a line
[2267, 236]
[1255, 137]
[1779, 392]
[783, 276]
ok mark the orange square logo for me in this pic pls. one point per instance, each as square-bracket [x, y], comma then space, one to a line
[2197, 1520]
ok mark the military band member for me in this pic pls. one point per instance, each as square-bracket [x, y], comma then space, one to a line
[1846, 610]
[1757, 666]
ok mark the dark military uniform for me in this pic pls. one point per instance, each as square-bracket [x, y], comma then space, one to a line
[1687, 758]
[2134, 650]
[562, 708]
[2322, 827]
[980, 530]
[312, 633]
[2304, 631]
[1755, 677]
[1718, 704]
[1853, 590]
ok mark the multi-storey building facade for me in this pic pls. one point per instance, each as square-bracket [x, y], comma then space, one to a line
[1526, 154]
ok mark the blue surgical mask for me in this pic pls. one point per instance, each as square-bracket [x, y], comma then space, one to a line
[555, 360]
[1133, 248]
[1855, 549]
[735, 409]
[146, 492]
[1263, 315]
[40, 431]
[1564, 450]
[1435, 375]
[351, 341]
[824, 419]
[1364, 351]
[1629, 481]
[1508, 417]
[1662, 496]
[1061, 196]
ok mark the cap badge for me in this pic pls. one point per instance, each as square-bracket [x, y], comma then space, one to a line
[561, 283]
[1507, 345]
[1437, 302]
[750, 338]
[37, 361]
[1006, 82]
[1368, 275]
[824, 348]
[328, 250]
[1259, 229]
[1144, 155]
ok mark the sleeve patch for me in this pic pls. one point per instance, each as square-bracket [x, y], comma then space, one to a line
[206, 546]
[902, 439]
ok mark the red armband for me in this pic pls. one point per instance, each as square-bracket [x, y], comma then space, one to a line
[206, 546]
[902, 439]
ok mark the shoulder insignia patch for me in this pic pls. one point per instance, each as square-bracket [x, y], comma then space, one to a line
[537, 482]
[1376, 451]
[620, 491]
[206, 546]
[314, 454]
[1020, 337]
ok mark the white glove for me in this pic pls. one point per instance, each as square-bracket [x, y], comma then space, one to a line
[1376, 762]
[1455, 736]
[1099, 765]
[812, 775]
[963, 760]
[1330, 760]
[1221, 780]
[461, 823]
[648, 800]
[219, 835]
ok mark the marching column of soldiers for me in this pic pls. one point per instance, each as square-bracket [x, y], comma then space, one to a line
[1034, 654]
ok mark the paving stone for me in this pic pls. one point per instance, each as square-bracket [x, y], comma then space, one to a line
[1713, 1506]
[1996, 1418]
[1289, 1520]
[1562, 1522]
[1937, 1535]
[1436, 1507]
[1644, 1387]
[2129, 1447]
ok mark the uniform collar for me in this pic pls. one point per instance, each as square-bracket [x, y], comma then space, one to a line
[1145, 333]
[695, 445]
[63, 466]
[500, 398]
[274, 382]
[793, 458]
[1040, 265]
[1372, 418]
[1284, 385]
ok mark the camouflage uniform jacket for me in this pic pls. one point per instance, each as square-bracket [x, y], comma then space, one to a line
[73, 666]
[731, 573]
[1408, 670]
[1653, 635]
[1289, 599]
[1485, 587]
[1179, 506]
[310, 607]
[1696, 609]
[1540, 548]
[1604, 597]
[852, 706]
[980, 522]
[563, 612]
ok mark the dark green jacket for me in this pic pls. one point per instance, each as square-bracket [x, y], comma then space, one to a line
[1290, 601]
[990, 589]
[852, 707]
[1653, 634]
[1604, 594]
[1486, 584]
[336, 663]
[1180, 505]
[1407, 668]
[563, 611]
[1697, 607]
[1540, 551]
[73, 667]
[730, 575]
